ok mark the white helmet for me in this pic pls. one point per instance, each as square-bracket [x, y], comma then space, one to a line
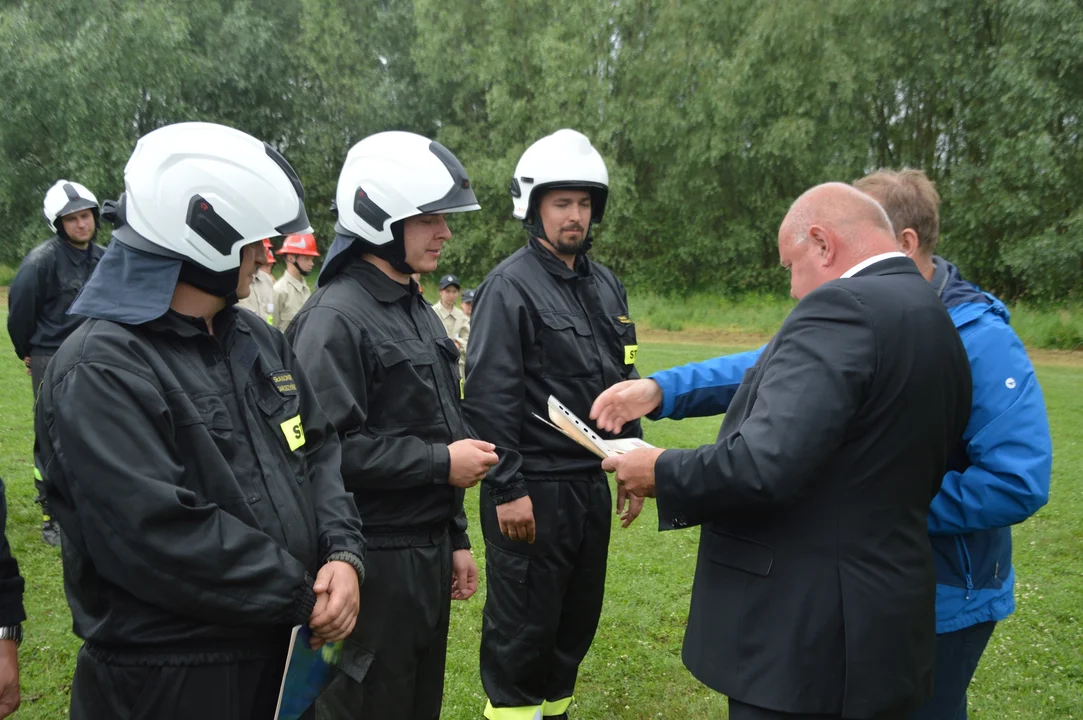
[390, 176]
[201, 192]
[565, 159]
[65, 198]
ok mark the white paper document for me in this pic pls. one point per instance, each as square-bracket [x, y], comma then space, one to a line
[565, 421]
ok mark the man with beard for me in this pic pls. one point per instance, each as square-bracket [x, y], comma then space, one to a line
[549, 321]
[291, 290]
[48, 280]
[385, 372]
[193, 474]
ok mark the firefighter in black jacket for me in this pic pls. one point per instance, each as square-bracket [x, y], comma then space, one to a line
[386, 373]
[546, 321]
[193, 474]
[48, 280]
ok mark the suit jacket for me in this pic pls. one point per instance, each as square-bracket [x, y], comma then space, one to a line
[814, 589]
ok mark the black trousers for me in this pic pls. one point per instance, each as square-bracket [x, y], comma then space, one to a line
[543, 601]
[38, 363]
[957, 656]
[741, 711]
[403, 626]
[246, 690]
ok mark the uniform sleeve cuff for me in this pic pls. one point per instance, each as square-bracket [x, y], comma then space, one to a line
[441, 464]
[351, 560]
[305, 602]
[460, 541]
[507, 493]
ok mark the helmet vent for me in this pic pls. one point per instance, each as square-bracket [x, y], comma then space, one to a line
[211, 226]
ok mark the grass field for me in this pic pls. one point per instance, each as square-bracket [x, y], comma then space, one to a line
[1032, 669]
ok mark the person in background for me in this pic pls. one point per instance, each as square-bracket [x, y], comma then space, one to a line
[12, 616]
[291, 290]
[463, 337]
[47, 282]
[451, 316]
[261, 300]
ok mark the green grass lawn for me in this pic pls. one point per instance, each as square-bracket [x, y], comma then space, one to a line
[1032, 669]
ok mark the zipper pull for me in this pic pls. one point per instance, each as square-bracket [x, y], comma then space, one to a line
[969, 585]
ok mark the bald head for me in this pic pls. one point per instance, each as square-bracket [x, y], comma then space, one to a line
[827, 231]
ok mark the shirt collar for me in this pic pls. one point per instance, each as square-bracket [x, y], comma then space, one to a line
[297, 284]
[871, 261]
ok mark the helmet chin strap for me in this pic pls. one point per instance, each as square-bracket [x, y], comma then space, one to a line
[393, 252]
[220, 284]
[304, 273]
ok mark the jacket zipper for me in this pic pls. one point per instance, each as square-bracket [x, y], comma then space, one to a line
[964, 556]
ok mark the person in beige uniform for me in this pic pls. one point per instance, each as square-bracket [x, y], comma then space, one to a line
[464, 331]
[449, 315]
[292, 290]
[261, 300]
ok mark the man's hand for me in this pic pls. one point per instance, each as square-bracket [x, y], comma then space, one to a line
[516, 519]
[635, 471]
[9, 678]
[338, 600]
[464, 575]
[635, 506]
[470, 461]
[624, 402]
[26, 361]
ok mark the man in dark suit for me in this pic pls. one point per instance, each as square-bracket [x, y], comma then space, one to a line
[814, 590]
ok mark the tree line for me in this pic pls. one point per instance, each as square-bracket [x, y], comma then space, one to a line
[713, 115]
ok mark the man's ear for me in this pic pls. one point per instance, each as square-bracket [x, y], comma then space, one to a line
[824, 245]
[909, 245]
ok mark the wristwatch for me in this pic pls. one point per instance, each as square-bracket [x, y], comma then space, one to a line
[12, 632]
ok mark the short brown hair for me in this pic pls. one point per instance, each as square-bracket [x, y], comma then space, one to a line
[911, 201]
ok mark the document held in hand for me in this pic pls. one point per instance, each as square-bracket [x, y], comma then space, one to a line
[565, 421]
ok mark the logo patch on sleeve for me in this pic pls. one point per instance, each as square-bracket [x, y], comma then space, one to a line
[624, 319]
[284, 382]
[630, 354]
[294, 432]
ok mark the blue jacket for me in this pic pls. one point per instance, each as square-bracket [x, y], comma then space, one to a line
[998, 477]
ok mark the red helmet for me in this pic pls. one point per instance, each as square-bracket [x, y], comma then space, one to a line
[270, 251]
[299, 245]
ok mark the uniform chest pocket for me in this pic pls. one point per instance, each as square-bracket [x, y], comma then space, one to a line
[404, 393]
[567, 348]
[626, 338]
[450, 353]
[280, 408]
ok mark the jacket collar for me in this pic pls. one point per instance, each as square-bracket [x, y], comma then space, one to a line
[555, 265]
[379, 285]
[889, 266]
[225, 322]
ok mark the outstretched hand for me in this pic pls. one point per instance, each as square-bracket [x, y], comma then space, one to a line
[625, 402]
